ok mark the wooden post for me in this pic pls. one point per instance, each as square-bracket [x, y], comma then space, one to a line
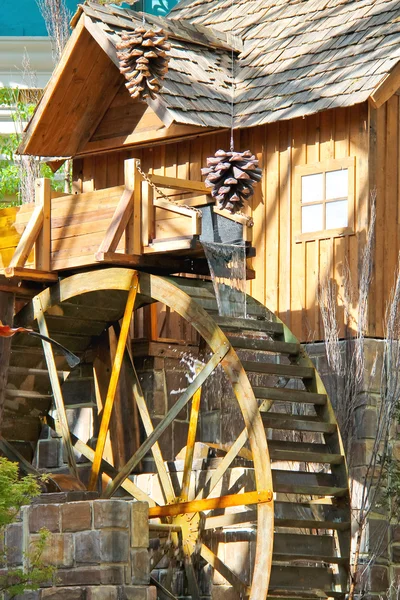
[7, 301]
[43, 242]
[133, 181]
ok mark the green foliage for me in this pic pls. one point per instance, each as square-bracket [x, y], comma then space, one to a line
[17, 580]
[14, 493]
[10, 164]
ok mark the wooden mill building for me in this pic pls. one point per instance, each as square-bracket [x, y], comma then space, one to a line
[311, 88]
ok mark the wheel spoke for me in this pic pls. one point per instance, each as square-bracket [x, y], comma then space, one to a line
[165, 479]
[56, 387]
[191, 439]
[171, 415]
[112, 388]
[237, 584]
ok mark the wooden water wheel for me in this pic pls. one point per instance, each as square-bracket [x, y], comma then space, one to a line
[279, 488]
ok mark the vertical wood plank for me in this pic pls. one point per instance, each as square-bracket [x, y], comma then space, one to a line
[391, 193]
[298, 298]
[43, 242]
[272, 217]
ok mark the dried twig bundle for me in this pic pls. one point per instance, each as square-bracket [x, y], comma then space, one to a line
[232, 175]
[143, 60]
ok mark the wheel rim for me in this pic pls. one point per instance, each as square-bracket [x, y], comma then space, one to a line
[158, 289]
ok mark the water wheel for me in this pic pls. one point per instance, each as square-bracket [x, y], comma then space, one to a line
[278, 490]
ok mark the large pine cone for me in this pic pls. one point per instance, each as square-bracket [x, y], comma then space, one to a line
[231, 175]
[143, 60]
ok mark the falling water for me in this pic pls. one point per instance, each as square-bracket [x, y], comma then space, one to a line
[227, 263]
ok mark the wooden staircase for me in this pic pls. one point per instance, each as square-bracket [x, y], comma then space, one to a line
[312, 514]
[312, 509]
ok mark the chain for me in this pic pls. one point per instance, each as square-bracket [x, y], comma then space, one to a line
[167, 198]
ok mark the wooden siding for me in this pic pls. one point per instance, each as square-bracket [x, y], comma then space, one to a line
[287, 273]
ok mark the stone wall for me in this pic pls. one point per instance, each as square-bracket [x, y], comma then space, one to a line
[99, 549]
[382, 537]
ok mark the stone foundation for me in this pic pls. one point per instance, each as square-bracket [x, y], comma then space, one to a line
[99, 549]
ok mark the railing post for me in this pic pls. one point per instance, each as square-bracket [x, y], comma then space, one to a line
[43, 241]
[133, 231]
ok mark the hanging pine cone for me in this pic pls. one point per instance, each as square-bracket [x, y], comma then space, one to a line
[231, 175]
[143, 60]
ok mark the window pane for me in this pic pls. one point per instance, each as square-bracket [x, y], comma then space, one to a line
[312, 188]
[336, 214]
[337, 184]
[311, 218]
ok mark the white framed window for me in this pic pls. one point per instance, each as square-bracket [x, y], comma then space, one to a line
[325, 199]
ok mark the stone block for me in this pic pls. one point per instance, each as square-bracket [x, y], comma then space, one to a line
[114, 575]
[29, 595]
[224, 592]
[140, 566]
[210, 426]
[378, 537]
[71, 593]
[48, 454]
[76, 516]
[114, 546]
[87, 547]
[395, 533]
[179, 436]
[366, 422]
[111, 513]
[42, 515]
[106, 592]
[79, 576]
[395, 553]
[58, 551]
[133, 592]
[139, 524]
[14, 535]
[157, 403]
[377, 579]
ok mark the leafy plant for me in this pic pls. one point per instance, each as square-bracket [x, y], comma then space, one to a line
[14, 493]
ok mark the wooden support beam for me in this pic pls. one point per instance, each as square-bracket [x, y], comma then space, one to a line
[43, 242]
[28, 238]
[181, 210]
[30, 274]
[122, 214]
[386, 88]
[115, 373]
[133, 241]
[55, 386]
[179, 184]
[191, 440]
[193, 506]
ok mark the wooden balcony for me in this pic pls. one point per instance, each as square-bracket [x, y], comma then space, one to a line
[153, 225]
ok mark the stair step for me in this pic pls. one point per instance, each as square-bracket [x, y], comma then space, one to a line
[32, 371]
[293, 579]
[268, 327]
[296, 423]
[309, 515]
[10, 393]
[278, 369]
[289, 395]
[293, 546]
[311, 457]
[246, 343]
[302, 482]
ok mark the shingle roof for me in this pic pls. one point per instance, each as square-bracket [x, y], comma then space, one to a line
[196, 89]
[298, 56]
[303, 56]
